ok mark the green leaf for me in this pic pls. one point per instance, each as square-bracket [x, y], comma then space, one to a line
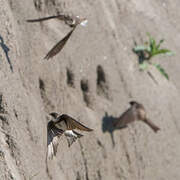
[152, 43]
[170, 53]
[148, 49]
[139, 48]
[160, 42]
[161, 70]
[162, 51]
[143, 66]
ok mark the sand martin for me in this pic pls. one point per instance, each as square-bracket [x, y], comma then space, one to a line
[135, 112]
[59, 125]
[71, 21]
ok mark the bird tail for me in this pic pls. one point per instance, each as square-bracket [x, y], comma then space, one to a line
[78, 134]
[73, 138]
[152, 125]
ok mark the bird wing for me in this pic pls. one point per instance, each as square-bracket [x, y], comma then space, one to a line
[73, 124]
[126, 118]
[53, 135]
[60, 16]
[58, 47]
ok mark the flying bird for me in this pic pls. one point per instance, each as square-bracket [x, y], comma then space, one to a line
[135, 112]
[71, 21]
[59, 125]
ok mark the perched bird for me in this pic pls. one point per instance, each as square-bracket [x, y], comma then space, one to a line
[60, 125]
[71, 21]
[135, 112]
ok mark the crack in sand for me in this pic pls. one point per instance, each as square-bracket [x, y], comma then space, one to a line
[84, 161]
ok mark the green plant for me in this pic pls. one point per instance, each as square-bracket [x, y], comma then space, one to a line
[147, 51]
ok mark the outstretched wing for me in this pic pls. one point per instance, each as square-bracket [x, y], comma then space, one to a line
[53, 135]
[61, 17]
[73, 124]
[58, 47]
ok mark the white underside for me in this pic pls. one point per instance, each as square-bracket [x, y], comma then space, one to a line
[70, 136]
[84, 23]
[70, 133]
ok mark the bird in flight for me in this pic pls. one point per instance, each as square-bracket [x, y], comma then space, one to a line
[59, 125]
[71, 21]
[135, 112]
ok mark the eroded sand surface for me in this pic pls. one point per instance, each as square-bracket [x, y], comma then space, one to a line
[100, 58]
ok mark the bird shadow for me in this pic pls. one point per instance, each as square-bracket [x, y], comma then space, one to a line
[6, 51]
[108, 126]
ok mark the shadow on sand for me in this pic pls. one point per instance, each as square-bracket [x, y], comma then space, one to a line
[6, 50]
[108, 126]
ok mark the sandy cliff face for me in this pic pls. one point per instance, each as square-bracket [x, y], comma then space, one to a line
[92, 79]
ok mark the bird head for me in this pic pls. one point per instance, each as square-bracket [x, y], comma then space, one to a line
[132, 103]
[54, 115]
[137, 105]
